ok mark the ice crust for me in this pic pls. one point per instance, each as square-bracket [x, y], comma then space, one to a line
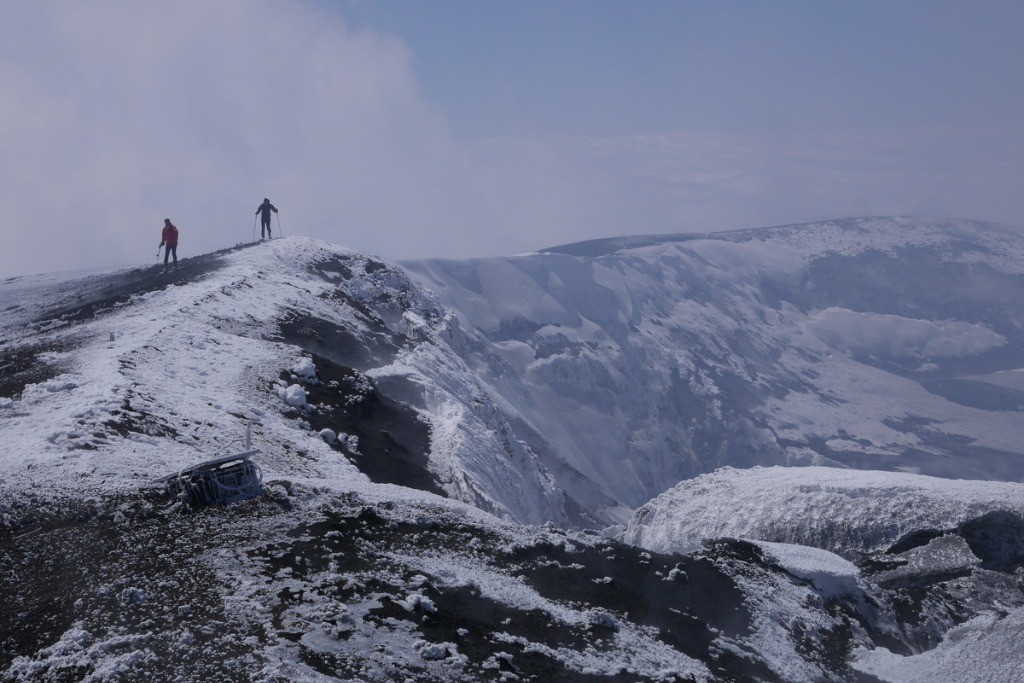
[986, 648]
[823, 507]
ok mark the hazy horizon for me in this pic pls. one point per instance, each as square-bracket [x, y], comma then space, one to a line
[461, 129]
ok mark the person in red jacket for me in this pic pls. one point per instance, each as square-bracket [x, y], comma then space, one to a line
[169, 237]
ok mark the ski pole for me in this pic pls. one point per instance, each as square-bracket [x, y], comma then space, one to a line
[279, 229]
[254, 228]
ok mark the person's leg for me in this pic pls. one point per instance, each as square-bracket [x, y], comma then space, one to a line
[174, 251]
[167, 254]
[267, 225]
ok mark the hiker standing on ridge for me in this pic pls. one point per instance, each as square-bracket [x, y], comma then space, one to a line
[265, 208]
[169, 237]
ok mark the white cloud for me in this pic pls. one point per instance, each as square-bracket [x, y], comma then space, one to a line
[119, 114]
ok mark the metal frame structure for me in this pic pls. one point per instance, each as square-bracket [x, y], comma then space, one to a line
[223, 480]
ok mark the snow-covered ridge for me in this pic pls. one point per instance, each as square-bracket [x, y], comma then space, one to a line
[823, 507]
[547, 387]
[971, 240]
[131, 375]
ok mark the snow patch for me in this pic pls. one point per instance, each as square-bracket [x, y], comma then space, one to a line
[304, 368]
[294, 396]
[943, 555]
[897, 337]
[831, 575]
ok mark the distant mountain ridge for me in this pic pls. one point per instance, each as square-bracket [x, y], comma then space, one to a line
[636, 362]
[968, 230]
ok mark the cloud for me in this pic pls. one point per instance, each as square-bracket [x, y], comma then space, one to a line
[118, 114]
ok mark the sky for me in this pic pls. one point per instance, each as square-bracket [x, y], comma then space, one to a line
[458, 128]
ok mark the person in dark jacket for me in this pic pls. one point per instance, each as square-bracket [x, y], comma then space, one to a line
[169, 237]
[265, 208]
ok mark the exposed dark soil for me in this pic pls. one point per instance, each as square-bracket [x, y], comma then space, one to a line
[20, 366]
[131, 575]
[577, 576]
[99, 295]
[393, 442]
[342, 346]
[122, 573]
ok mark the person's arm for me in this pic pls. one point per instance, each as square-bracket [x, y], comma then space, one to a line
[273, 208]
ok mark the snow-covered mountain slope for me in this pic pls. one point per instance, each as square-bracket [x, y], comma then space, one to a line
[602, 379]
[630, 364]
[122, 377]
[403, 446]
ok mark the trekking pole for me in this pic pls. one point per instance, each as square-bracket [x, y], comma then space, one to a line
[279, 229]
